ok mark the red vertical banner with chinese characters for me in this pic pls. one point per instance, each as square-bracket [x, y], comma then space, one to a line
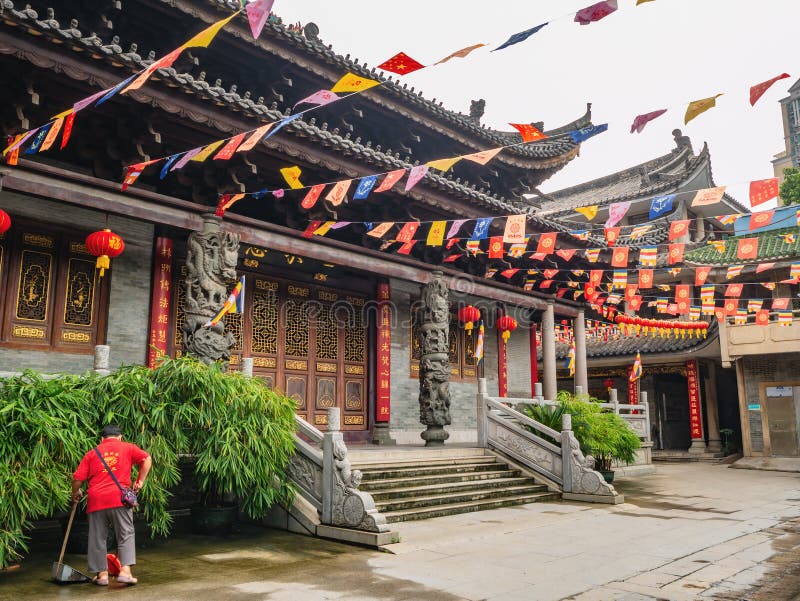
[695, 416]
[502, 361]
[534, 350]
[160, 301]
[633, 388]
[383, 355]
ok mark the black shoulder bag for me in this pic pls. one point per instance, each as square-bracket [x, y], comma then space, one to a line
[128, 497]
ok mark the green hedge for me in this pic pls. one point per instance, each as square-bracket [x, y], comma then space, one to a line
[241, 432]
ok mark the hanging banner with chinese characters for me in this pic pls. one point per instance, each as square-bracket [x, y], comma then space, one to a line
[695, 416]
[384, 355]
[160, 301]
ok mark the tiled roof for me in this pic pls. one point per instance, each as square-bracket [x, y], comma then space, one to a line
[646, 345]
[770, 246]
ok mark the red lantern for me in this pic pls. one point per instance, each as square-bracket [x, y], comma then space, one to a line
[468, 315]
[5, 222]
[105, 245]
[609, 383]
[506, 324]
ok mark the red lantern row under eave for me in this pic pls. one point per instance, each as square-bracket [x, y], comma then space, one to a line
[105, 245]
[506, 324]
[468, 316]
[5, 222]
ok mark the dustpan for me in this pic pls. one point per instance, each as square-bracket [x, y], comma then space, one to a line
[61, 572]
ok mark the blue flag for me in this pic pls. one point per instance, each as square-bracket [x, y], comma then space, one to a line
[481, 228]
[115, 90]
[519, 37]
[168, 164]
[283, 123]
[365, 187]
[584, 133]
[38, 139]
[661, 205]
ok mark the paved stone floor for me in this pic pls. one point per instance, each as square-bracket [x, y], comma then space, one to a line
[688, 532]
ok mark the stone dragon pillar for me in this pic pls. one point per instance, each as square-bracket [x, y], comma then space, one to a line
[434, 368]
[211, 260]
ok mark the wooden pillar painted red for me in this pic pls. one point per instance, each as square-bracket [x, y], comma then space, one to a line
[534, 359]
[160, 301]
[383, 354]
[502, 364]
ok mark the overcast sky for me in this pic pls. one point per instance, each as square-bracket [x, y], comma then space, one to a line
[662, 54]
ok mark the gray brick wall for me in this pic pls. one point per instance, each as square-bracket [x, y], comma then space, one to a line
[129, 298]
[518, 356]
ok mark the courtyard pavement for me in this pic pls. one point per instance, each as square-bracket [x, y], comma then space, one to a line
[689, 531]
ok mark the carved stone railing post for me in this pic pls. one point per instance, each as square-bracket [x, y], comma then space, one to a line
[481, 412]
[102, 353]
[537, 392]
[646, 414]
[211, 257]
[434, 364]
[612, 398]
[343, 505]
[566, 449]
[580, 481]
[247, 366]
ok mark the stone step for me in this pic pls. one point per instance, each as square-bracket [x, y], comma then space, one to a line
[380, 465]
[425, 470]
[452, 497]
[398, 483]
[455, 508]
[449, 488]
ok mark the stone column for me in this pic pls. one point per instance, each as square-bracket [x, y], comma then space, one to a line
[549, 351]
[211, 257]
[434, 365]
[581, 369]
[534, 355]
[712, 408]
[102, 353]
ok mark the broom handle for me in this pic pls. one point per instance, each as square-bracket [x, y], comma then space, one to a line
[66, 536]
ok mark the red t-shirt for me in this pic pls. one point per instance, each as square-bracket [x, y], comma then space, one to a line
[120, 456]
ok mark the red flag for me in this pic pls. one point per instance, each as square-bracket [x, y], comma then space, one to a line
[678, 229]
[407, 232]
[758, 90]
[227, 151]
[528, 132]
[682, 294]
[402, 64]
[762, 219]
[763, 190]
[496, 247]
[780, 304]
[635, 303]
[630, 291]
[747, 248]
[566, 253]
[406, 248]
[734, 290]
[701, 275]
[390, 180]
[762, 317]
[645, 279]
[595, 276]
[731, 306]
[547, 243]
[509, 273]
[313, 196]
[134, 171]
[764, 267]
[312, 226]
[452, 258]
[549, 274]
[676, 253]
[612, 235]
[642, 120]
[67, 129]
[619, 258]
[595, 12]
[561, 292]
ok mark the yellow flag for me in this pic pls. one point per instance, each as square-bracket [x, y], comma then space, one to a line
[203, 39]
[324, 228]
[700, 106]
[443, 164]
[52, 134]
[436, 234]
[292, 177]
[353, 83]
[62, 114]
[207, 151]
[588, 212]
[638, 2]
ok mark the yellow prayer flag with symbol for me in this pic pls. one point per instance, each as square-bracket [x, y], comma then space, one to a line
[436, 233]
[588, 212]
[699, 107]
[292, 177]
[353, 83]
[203, 39]
[443, 164]
[324, 228]
[207, 151]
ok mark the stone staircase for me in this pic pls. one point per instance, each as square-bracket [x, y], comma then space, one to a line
[421, 484]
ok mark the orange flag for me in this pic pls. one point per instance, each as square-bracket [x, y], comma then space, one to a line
[645, 279]
[390, 180]
[701, 275]
[698, 107]
[380, 230]
[547, 243]
[612, 234]
[460, 53]
[52, 134]
[762, 219]
[747, 248]
[255, 138]
[675, 253]
[338, 193]
[482, 157]
[313, 196]
[619, 258]
[763, 190]
[528, 132]
[678, 229]
[708, 196]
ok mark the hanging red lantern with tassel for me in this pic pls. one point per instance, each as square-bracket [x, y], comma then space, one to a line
[468, 316]
[105, 245]
[5, 222]
[506, 324]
